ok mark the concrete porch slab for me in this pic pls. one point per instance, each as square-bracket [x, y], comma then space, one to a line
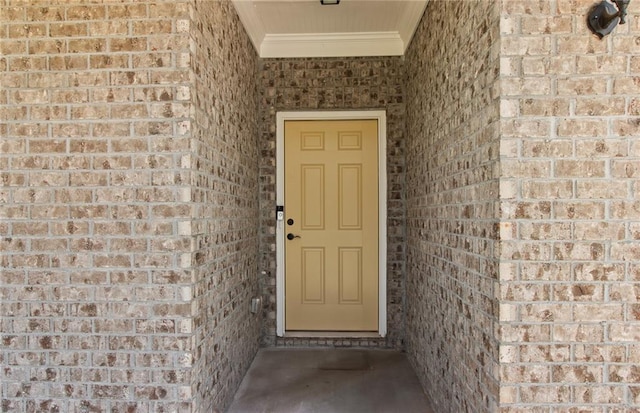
[284, 380]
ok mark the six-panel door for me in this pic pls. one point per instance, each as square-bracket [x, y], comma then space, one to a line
[331, 205]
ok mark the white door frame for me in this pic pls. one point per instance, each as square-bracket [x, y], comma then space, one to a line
[381, 117]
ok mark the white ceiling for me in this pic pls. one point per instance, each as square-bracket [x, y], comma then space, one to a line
[305, 28]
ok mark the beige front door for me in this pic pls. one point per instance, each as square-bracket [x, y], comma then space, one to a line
[331, 225]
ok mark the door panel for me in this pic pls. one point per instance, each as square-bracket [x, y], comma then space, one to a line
[350, 273]
[350, 197]
[331, 194]
[313, 275]
[312, 192]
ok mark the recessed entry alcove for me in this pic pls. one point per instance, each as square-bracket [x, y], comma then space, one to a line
[141, 149]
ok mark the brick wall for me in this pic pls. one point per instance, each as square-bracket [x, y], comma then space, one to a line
[225, 203]
[129, 197]
[125, 275]
[452, 184]
[568, 253]
[570, 201]
[92, 286]
[334, 84]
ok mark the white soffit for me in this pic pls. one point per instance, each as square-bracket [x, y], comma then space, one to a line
[305, 28]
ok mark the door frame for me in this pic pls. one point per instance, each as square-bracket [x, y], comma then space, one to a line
[381, 117]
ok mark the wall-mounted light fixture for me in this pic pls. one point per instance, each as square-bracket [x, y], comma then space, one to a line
[604, 17]
[329, 2]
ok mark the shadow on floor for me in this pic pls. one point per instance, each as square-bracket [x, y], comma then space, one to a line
[284, 380]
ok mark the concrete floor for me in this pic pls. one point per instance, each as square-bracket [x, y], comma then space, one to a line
[284, 380]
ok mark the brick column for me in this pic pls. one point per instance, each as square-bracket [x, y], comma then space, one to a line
[570, 205]
[98, 227]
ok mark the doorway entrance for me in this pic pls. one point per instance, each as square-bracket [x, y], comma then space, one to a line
[331, 230]
[331, 219]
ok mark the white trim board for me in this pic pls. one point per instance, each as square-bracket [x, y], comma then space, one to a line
[380, 116]
[332, 45]
[295, 28]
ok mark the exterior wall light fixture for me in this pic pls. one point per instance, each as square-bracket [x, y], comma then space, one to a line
[329, 2]
[604, 17]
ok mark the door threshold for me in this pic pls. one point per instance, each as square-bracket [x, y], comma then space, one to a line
[332, 334]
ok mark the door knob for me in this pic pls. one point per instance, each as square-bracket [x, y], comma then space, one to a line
[291, 236]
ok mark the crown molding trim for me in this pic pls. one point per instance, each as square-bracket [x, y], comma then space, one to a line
[332, 45]
[410, 20]
[251, 22]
